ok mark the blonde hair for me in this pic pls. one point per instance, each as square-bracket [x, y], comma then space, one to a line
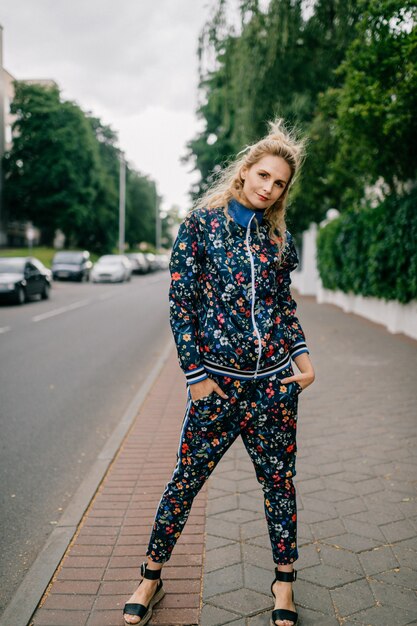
[228, 183]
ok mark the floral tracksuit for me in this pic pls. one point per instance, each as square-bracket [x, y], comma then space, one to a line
[233, 320]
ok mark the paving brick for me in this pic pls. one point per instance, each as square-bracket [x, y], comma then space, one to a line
[378, 560]
[86, 561]
[257, 578]
[76, 587]
[70, 601]
[85, 573]
[82, 550]
[385, 616]
[308, 556]
[216, 542]
[61, 618]
[353, 597]
[219, 581]
[313, 597]
[168, 617]
[220, 557]
[327, 528]
[222, 504]
[396, 531]
[355, 543]
[403, 577]
[213, 616]
[258, 556]
[338, 557]
[106, 618]
[328, 576]
[243, 601]
[392, 595]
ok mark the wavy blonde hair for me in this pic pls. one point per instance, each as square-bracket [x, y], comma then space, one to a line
[228, 183]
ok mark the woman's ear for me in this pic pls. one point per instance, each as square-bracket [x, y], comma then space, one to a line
[243, 172]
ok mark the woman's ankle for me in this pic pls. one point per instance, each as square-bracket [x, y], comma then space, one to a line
[153, 565]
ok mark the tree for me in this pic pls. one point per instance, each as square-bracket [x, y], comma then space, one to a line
[278, 64]
[376, 126]
[63, 172]
[141, 201]
[52, 172]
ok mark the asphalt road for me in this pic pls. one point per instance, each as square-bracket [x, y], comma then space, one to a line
[69, 368]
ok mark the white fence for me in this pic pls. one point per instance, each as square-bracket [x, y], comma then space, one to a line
[396, 317]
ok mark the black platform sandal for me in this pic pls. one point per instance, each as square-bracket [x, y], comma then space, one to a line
[140, 610]
[284, 614]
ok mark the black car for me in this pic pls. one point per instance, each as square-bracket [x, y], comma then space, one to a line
[72, 265]
[23, 277]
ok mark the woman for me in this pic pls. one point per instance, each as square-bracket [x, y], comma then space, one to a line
[234, 324]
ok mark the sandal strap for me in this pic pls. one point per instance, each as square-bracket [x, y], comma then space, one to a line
[284, 614]
[151, 574]
[285, 577]
[138, 610]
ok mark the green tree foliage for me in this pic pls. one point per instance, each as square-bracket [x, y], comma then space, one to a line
[141, 202]
[278, 63]
[52, 169]
[63, 172]
[376, 126]
[372, 251]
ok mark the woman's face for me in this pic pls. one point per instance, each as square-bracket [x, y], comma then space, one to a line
[265, 181]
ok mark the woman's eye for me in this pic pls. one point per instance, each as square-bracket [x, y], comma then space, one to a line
[262, 174]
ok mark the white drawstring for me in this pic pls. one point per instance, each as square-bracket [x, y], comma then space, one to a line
[252, 265]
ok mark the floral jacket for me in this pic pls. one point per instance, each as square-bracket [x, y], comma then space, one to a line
[231, 309]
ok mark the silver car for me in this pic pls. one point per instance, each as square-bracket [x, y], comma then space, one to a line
[113, 268]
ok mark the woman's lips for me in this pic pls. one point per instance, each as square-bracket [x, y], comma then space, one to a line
[262, 197]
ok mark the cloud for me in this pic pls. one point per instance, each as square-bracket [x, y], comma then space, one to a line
[131, 54]
[132, 62]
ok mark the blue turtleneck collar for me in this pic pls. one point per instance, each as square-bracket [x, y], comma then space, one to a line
[242, 214]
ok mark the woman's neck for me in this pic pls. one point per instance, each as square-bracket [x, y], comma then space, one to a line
[240, 196]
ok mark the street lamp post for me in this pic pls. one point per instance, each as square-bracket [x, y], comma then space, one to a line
[122, 203]
[157, 223]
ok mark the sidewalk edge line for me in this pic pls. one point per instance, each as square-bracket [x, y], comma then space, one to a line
[26, 599]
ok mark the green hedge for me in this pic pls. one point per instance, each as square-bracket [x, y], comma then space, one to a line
[372, 251]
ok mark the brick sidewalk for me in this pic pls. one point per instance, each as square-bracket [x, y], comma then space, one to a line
[100, 569]
[356, 495]
[356, 476]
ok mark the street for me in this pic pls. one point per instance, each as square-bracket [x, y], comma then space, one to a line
[69, 368]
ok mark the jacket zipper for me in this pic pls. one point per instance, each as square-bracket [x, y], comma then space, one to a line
[252, 265]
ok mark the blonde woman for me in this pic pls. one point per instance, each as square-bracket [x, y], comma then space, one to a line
[237, 334]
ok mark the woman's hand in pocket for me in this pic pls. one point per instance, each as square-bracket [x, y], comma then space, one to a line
[205, 388]
[306, 376]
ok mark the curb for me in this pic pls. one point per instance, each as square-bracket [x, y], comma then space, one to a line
[28, 595]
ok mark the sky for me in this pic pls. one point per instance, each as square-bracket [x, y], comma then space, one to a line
[133, 63]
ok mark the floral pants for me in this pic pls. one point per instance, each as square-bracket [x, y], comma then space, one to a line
[264, 413]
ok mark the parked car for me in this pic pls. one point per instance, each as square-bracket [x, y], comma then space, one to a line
[163, 261]
[112, 268]
[22, 278]
[151, 258]
[139, 262]
[72, 265]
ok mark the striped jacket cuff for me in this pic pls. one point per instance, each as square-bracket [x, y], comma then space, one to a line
[298, 348]
[196, 376]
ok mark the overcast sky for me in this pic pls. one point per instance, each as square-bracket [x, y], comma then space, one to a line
[133, 63]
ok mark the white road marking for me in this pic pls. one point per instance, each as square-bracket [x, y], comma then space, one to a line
[63, 309]
[4, 329]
